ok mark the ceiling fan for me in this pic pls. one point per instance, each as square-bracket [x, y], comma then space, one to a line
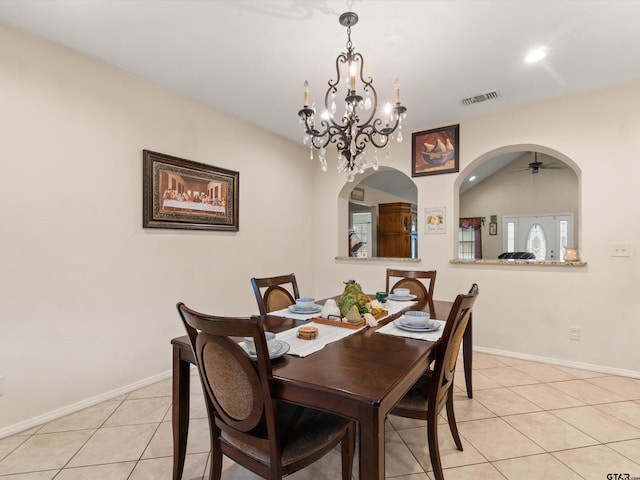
[536, 166]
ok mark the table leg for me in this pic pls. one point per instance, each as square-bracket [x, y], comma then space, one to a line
[180, 411]
[467, 355]
[371, 454]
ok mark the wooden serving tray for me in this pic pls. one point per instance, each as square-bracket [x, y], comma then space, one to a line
[338, 323]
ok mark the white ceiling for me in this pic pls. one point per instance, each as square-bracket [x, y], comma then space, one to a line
[249, 58]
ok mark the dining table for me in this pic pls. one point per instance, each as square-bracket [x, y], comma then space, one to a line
[361, 376]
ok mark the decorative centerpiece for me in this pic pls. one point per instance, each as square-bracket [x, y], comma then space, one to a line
[354, 303]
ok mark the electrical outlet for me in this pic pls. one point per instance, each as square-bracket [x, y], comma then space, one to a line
[1, 386]
[574, 334]
[620, 250]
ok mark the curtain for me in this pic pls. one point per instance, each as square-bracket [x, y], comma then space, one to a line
[474, 224]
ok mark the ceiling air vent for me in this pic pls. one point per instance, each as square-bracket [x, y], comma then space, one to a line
[481, 98]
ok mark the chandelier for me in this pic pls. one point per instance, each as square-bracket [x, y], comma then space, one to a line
[354, 127]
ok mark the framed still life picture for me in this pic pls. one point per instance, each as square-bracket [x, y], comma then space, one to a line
[179, 193]
[435, 151]
[435, 220]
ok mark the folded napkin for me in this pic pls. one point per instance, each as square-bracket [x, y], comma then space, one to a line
[326, 334]
[391, 329]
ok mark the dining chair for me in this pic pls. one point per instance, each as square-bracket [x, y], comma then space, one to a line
[275, 296]
[434, 390]
[247, 423]
[414, 280]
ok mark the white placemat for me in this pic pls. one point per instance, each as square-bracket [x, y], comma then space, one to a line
[326, 334]
[393, 306]
[391, 329]
[285, 312]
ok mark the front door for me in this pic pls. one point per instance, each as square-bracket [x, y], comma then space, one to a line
[545, 236]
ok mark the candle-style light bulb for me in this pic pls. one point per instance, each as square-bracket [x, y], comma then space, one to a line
[396, 88]
[306, 94]
[387, 113]
[352, 77]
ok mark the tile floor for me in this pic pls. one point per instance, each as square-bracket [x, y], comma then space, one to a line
[527, 421]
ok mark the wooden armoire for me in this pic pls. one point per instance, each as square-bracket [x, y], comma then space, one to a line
[397, 230]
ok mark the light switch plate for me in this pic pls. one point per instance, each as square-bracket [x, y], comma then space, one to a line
[620, 250]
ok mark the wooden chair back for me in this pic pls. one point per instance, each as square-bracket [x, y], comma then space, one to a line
[434, 390]
[271, 293]
[247, 423]
[420, 283]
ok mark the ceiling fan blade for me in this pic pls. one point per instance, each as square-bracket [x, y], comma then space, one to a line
[553, 166]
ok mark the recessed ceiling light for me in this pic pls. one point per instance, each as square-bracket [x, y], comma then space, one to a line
[472, 178]
[535, 55]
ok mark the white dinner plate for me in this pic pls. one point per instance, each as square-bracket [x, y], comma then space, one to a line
[315, 308]
[404, 326]
[402, 298]
[277, 351]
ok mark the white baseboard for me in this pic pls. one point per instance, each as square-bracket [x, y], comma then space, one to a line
[75, 407]
[561, 363]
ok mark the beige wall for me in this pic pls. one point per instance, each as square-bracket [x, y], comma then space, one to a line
[88, 295]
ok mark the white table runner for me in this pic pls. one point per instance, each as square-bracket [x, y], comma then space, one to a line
[326, 334]
[391, 329]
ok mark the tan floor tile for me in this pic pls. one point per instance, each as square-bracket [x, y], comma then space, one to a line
[628, 448]
[628, 412]
[465, 409]
[502, 401]
[598, 424]
[628, 388]
[483, 360]
[545, 373]
[587, 392]
[481, 382]
[9, 444]
[197, 408]
[114, 444]
[139, 411]
[580, 373]
[496, 439]
[546, 397]
[89, 418]
[398, 457]
[47, 475]
[48, 451]
[328, 467]
[512, 361]
[158, 389]
[417, 441]
[402, 423]
[162, 468]
[199, 438]
[161, 444]
[484, 471]
[417, 476]
[536, 467]
[509, 376]
[596, 462]
[547, 431]
[113, 471]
